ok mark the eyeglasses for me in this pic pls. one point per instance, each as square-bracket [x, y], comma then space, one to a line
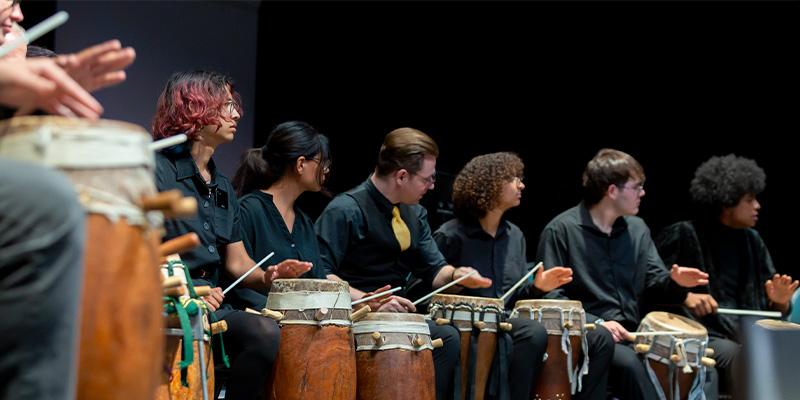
[638, 188]
[325, 167]
[429, 180]
[229, 105]
[518, 179]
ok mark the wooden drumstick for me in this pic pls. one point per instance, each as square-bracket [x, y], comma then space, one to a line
[376, 295]
[179, 244]
[521, 281]
[167, 142]
[263, 260]
[251, 311]
[202, 291]
[171, 282]
[431, 294]
[657, 333]
[758, 313]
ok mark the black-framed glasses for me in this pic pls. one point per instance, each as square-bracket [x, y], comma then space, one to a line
[638, 188]
[229, 106]
[326, 166]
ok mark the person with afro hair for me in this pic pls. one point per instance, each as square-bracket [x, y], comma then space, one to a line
[721, 241]
[482, 237]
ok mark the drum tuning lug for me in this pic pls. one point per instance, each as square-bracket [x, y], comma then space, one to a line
[568, 325]
[641, 348]
[675, 358]
[442, 321]
[418, 341]
[436, 343]
[202, 291]
[378, 338]
[687, 369]
[590, 327]
[480, 325]
[171, 282]
[360, 313]
[505, 326]
[320, 314]
[709, 352]
[219, 327]
[708, 362]
[276, 315]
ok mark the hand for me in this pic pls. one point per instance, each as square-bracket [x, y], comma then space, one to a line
[688, 277]
[397, 304]
[40, 84]
[552, 278]
[475, 281]
[286, 269]
[98, 66]
[618, 332]
[780, 290]
[700, 304]
[377, 302]
[214, 300]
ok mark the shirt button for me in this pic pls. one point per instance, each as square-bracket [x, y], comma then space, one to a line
[205, 225]
[205, 203]
[292, 245]
[211, 249]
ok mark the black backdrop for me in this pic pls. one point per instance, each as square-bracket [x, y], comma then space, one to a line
[672, 83]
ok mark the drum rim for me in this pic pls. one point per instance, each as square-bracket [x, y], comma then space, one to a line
[487, 300]
[15, 123]
[547, 303]
[698, 328]
[373, 316]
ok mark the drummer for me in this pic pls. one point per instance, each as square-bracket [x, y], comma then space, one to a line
[481, 236]
[205, 106]
[377, 234]
[615, 262]
[721, 241]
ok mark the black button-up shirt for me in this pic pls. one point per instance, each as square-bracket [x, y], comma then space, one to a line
[357, 242]
[501, 258]
[611, 272]
[263, 231]
[217, 219]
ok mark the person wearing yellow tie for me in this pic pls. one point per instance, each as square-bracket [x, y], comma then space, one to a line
[377, 233]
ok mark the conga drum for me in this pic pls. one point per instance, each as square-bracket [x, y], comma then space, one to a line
[565, 322]
[316, 358]
[111, 167]
[394, 357]
[197, 385]
[471, 315]
[674, 354]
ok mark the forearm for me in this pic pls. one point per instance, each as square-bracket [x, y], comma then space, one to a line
[355, 294]
[444, 276]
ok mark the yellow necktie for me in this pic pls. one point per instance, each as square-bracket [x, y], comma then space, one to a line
[400, 229]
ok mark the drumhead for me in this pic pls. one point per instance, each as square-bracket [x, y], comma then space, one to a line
[447, 299]
[664, 321]
[547, 303]
[778, 325]
[389, 317]
[309, 285]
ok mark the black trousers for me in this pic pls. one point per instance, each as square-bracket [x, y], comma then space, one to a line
[726, 354]
[445, 359]
[42, 239]
[251, 342]
[529, 345]
[601, 353]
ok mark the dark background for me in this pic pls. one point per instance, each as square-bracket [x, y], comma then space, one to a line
[671, 83]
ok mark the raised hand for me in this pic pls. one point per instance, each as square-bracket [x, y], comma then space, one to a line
[473, 282]
[552, 278]
[780, 290]
[688, 277]
[98, 66]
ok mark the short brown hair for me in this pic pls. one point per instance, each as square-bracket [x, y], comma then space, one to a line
[477, 188]
[608, 167]
[404, 148]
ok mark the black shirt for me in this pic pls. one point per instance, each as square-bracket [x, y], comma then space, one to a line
[357, 242]
[611, 272]
[736, 260]
[217, 219]
[263, 231]
[501, 258]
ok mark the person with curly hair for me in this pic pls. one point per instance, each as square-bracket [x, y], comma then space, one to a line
[615, 263]
[205, 106]
[482, 237]
[721, 241]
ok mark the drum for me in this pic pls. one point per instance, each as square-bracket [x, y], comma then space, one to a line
[394, 357]
[777, 325]
[675, 362]
[467, 313]
[316, 358]
[111, 167]
[565, 322]
[197, 385]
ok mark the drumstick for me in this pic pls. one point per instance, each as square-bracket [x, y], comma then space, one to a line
[34, 33]
[376, 295]
[248, 272]
[519, 282]
[656, 333]
[429, 295]
[736, 311]
[170, 141]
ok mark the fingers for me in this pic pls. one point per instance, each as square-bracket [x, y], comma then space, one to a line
[406, 303]
[71, 94]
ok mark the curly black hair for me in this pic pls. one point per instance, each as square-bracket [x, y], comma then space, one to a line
[721, 182]
[478, 186]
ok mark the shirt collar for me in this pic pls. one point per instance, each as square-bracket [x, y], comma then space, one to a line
[585, 220]
[473, 228]
[383, 204]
